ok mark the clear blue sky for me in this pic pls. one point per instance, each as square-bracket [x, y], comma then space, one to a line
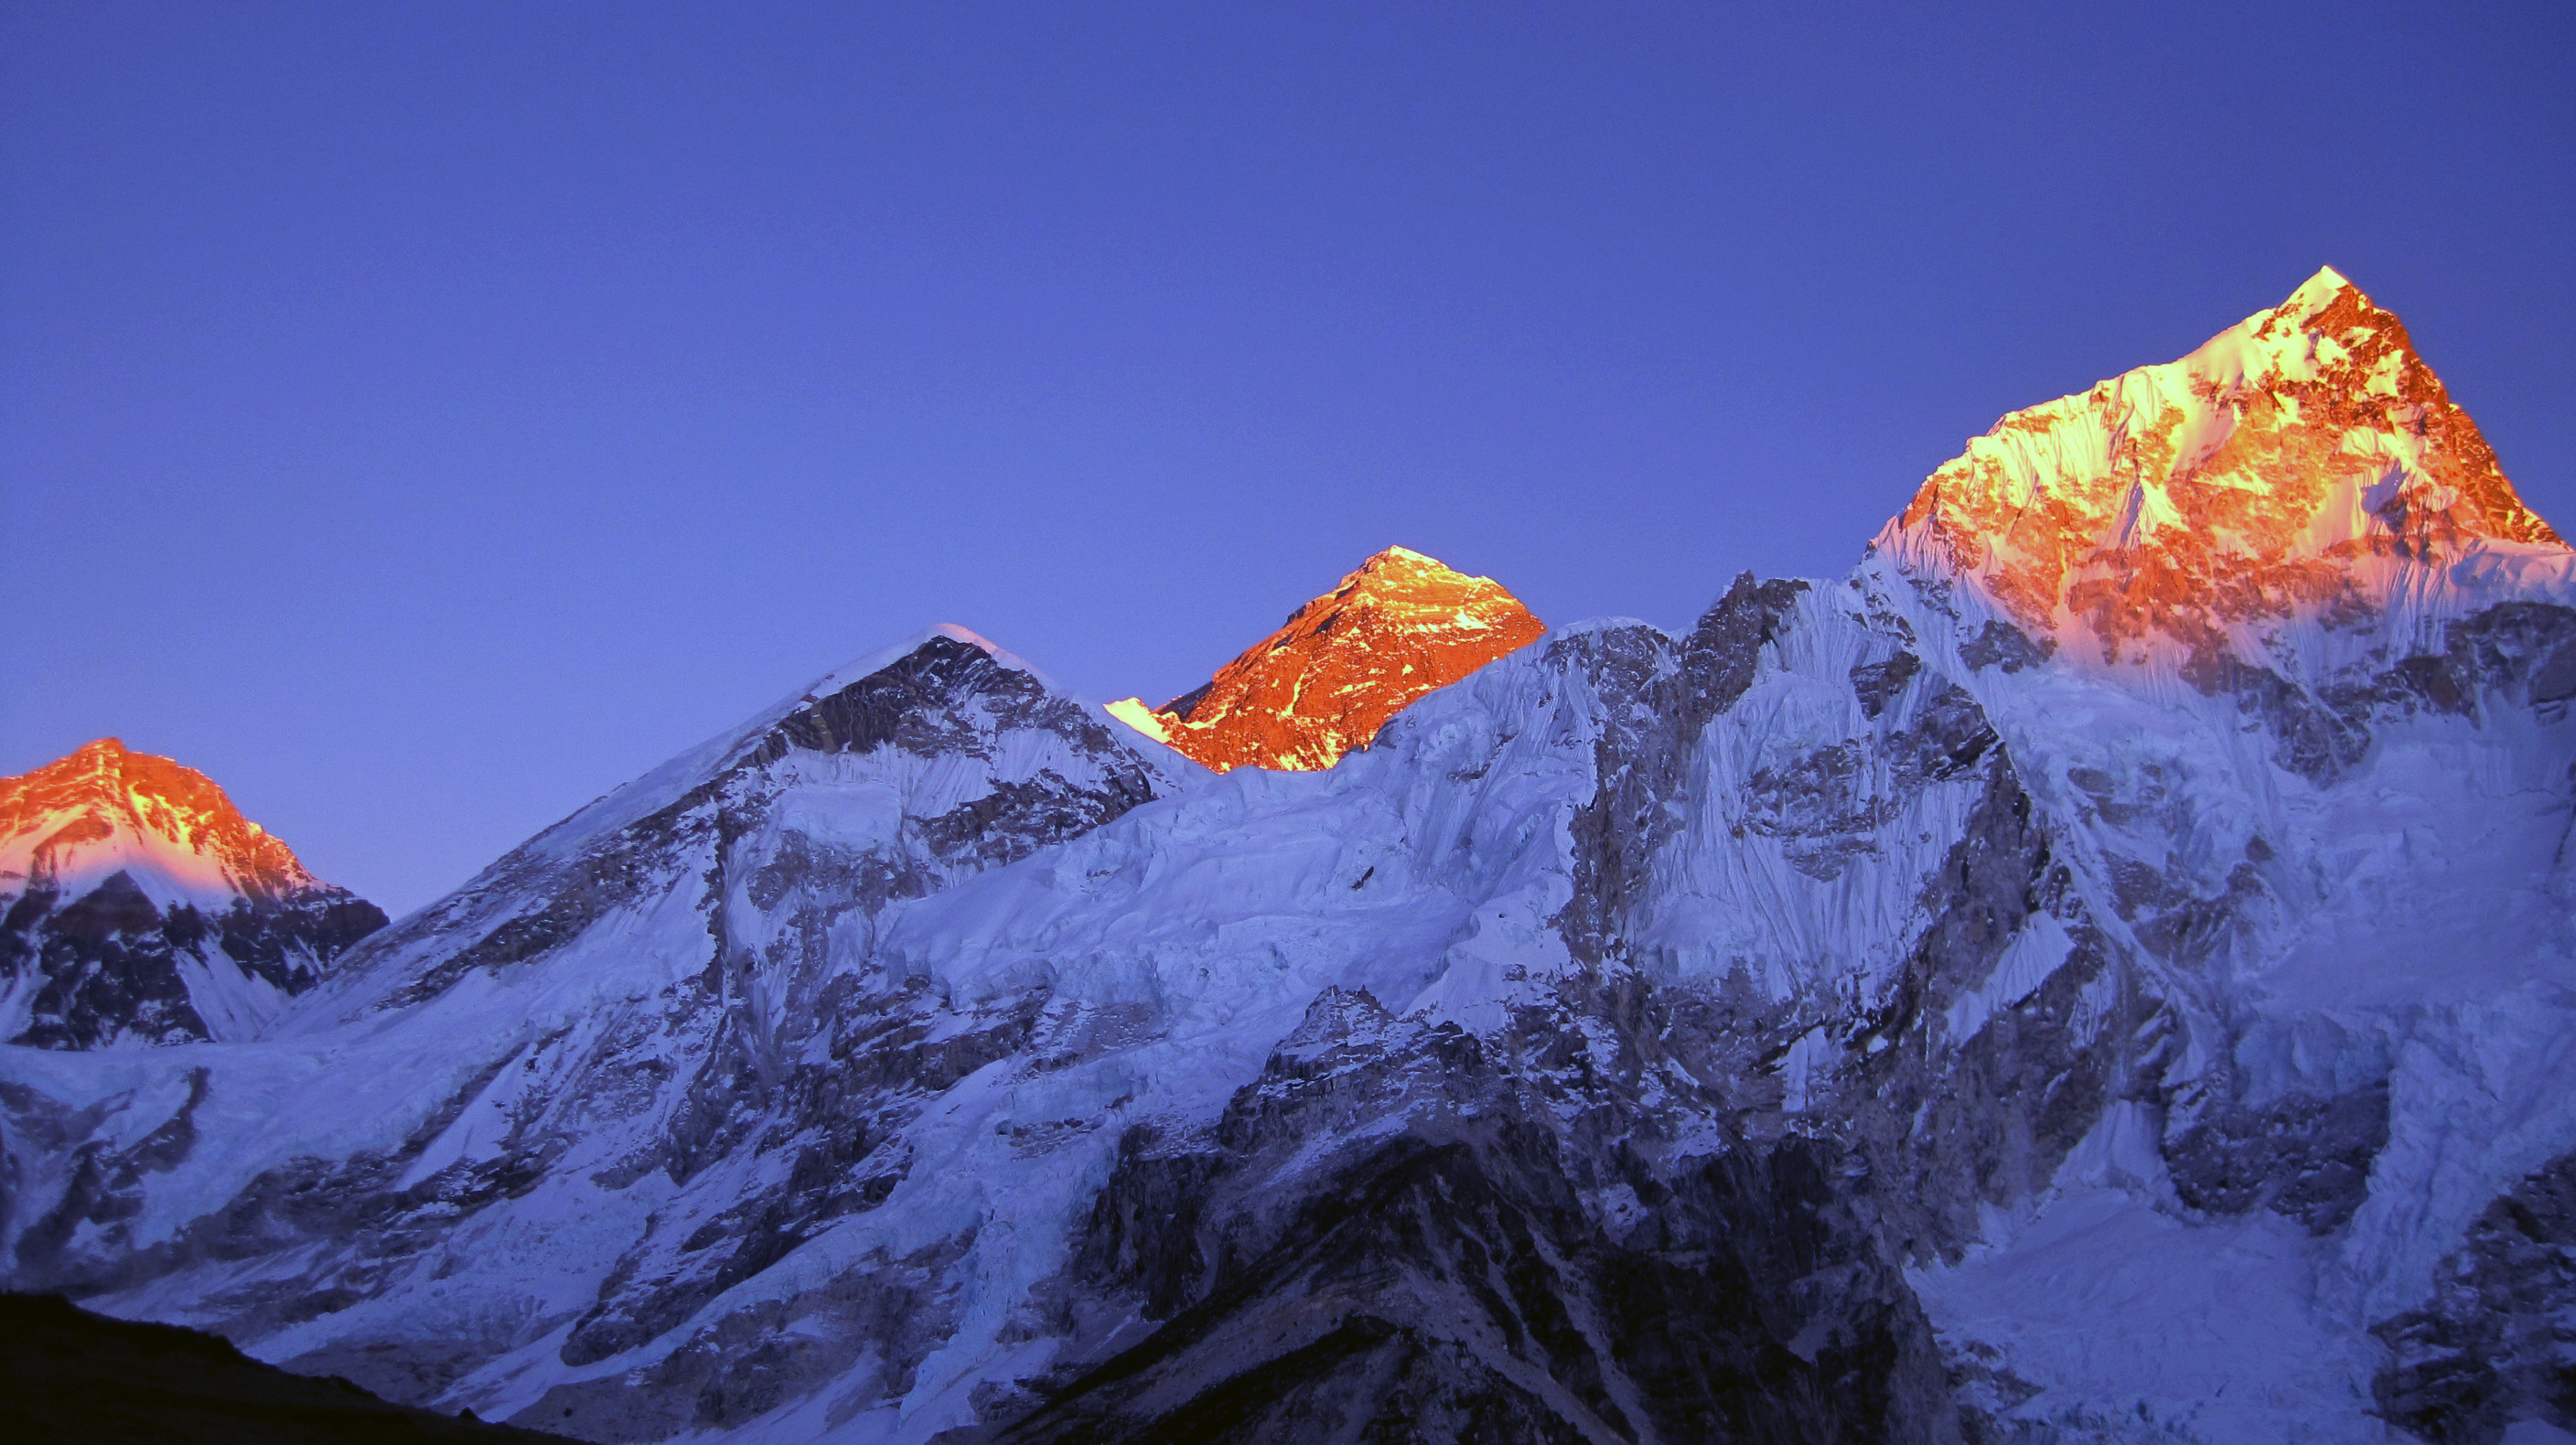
[423, 417]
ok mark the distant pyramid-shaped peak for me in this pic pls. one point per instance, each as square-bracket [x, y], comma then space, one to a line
[104, 808]
[1404, 562]
[143, 907]
[1399, 626]
[2296, 464]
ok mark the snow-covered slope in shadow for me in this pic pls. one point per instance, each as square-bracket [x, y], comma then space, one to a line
[2103, 985]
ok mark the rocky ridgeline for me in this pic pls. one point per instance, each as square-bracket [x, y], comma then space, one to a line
[1920, 1007]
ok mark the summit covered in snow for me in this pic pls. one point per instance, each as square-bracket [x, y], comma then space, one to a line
[2302, 473]
[137, 904]
[2102, 971]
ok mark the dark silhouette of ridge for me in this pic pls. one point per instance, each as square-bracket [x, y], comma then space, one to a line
[70, 1377]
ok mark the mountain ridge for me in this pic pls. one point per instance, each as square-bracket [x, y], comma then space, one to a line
[2304, 466]
[73, 1375]
[1858, 1016]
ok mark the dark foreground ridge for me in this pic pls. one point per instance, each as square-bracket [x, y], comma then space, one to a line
[68, 1375]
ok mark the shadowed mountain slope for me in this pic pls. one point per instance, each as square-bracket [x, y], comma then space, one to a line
[72, 1376]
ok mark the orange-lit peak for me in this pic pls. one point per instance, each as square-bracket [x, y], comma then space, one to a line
[1403, 558]
[2292, 466]
[1399, 569]
[2316, 294]
[100, 755]
[104, 803]
[1396, 628]
[1403, 578]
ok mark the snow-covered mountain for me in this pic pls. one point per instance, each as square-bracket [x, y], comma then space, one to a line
[2099, 972]
[137, 905]
[2288, 662]
[1401, 626]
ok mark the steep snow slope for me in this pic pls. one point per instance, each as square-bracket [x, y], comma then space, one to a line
[1323, 684]
[138, 905]
[1893, 1010]
[604, 1081]
[2302, 721]
[907, 1172]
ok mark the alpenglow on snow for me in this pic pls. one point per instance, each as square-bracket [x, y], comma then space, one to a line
[2097, 972]
[137, 905]
[1401, 626]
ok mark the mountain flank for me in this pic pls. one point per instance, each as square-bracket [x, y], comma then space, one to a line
[2096, 973]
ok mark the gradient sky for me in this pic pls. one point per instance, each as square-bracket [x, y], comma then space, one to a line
[423, 417]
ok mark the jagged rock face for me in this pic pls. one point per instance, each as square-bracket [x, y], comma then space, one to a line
[137, 905]
[1323, 684]
[2491, 1344]
[1463, 1279]
[1865, 1016]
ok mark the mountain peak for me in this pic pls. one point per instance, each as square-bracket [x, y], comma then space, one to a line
[101, 764]
[2317, 292]
[103, 809]
[2298, 464]
[1396, 558]
[937, 639]
[1397, 627]
[141, 906]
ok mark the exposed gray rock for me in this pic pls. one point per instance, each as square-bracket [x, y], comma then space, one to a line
[1488, 1266]
[112, 959]
[2303, 1157]
[2000, 644]
[2495, 1343]
[1876, 682]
